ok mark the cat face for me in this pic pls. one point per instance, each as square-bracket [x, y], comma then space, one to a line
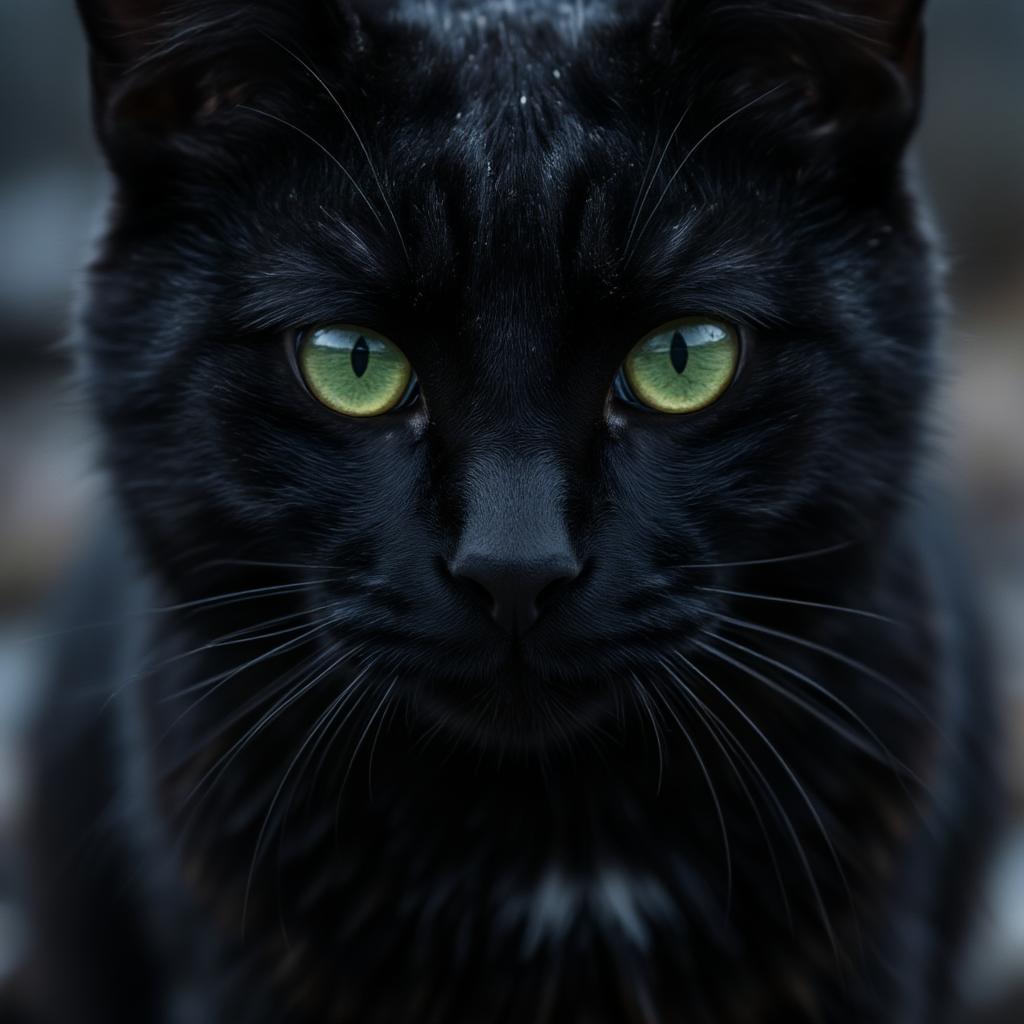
[508, 334]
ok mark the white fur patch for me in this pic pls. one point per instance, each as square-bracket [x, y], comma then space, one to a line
[618, 903]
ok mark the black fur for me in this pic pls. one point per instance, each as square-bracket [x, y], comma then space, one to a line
[675, 798]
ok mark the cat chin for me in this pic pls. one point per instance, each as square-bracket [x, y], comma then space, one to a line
[519, 715]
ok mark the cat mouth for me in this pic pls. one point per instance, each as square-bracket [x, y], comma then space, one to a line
[513, 708]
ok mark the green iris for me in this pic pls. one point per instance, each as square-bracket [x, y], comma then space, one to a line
[354, 371]
[684, 366]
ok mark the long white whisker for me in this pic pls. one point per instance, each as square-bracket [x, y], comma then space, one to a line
[837, 656]
[237, 638]
[641, 693]
[700, 142]
[366, 732]
[798, 786]
[226, 760]
[841, 609]
[876, 749]
[261, 564]
[359, 140]
[311, 737]
[214, 683]
[376, 739]
[714, 796]
[642, 198]
[331, 732]
[711, 722]
[319, 145]
[213, 601]
[802, 556]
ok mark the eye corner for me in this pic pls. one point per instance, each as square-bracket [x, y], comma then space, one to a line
[624, 393]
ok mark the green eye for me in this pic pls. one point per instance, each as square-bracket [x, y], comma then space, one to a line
[682, 367]
[354, 371]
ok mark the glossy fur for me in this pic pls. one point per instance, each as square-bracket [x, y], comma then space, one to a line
[735, 771]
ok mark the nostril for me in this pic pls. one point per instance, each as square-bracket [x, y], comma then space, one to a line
[479, 593]
[551, 592]
[468, 585]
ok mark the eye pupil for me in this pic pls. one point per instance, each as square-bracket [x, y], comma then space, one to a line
[682, 367]
[354, 371]
[679, 352]
[360, 357]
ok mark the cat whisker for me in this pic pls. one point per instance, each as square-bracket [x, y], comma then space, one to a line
[693, 149]
[802, 556]
[232, 597]
[595, 734]
[262, 564]
[245, 710]
[722, 735]
[429, 735]
[203, 698]
[634, 212]
[363, 735]
[837, 656]
[803, 794]
[846, 23]
[319, 145]
[376, 739]
[642, 700]
[876, 748]
[350, 697]
[311, 737]
[204, 603]
[695, 750]
[238, 638]
[215, 682]
[795, 602]
[642, 197]
[311, 669]
[359, 139]
[210, 778]
[178, 35]
[363, 674]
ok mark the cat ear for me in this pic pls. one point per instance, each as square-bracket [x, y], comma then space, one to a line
[894, 25]
[161, 66]
[849, 72]
[893, 30]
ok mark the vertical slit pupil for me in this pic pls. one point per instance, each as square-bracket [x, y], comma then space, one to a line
[680, 352]
[360, 356]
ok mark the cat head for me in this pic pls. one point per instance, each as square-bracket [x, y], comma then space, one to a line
[509, 333]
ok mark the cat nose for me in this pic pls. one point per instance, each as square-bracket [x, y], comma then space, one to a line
[515, 547]
[518, 589]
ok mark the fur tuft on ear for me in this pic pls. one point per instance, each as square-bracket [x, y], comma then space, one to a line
[159, 67]
[849, 72]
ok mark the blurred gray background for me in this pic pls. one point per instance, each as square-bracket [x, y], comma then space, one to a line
[971, 156]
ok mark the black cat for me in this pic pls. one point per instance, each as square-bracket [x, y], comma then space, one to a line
[525, 596]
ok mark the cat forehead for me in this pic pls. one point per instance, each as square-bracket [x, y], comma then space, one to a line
[471, 21]
[505, 45]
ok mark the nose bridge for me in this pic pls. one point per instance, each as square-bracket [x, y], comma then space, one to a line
[515, 507]
[515, 545]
